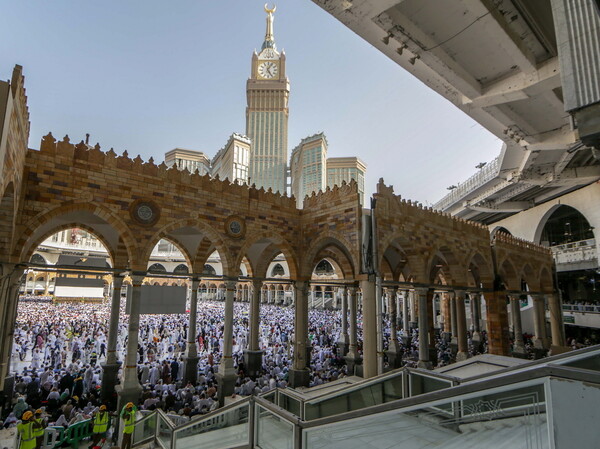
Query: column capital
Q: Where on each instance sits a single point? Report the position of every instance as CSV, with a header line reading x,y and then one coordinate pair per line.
x,y
257,283
137,278
460,294
230,284
118,280
301,285
195,282
421,290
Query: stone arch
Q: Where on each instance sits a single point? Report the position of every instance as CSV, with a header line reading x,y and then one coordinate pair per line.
x,y
248,266
277,270
334,247
546,281
181,269
91,230
195,239
527,274
508,275
261,250
402,256
549,213
444,260
157,268
7,218
95,218
182,249
208,270
479,271
38,258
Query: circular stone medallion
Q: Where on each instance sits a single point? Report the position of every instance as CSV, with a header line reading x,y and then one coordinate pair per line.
x,y
235,227
144,212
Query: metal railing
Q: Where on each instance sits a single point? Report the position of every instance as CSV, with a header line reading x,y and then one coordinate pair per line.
x,y
581,308
575,252
485,174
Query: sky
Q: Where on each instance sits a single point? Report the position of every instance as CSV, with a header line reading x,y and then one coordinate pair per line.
x,y
148,76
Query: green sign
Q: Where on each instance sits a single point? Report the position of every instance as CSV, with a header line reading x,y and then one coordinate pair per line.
x,y
569,319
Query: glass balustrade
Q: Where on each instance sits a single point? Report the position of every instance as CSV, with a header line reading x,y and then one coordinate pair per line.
x,y
272,430
227,428
145,429
501,418
164,430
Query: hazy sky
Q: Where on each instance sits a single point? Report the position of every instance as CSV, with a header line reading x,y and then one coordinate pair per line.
x,y
147,76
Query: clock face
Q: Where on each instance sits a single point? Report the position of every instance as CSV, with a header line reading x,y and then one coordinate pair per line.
x,y
267,69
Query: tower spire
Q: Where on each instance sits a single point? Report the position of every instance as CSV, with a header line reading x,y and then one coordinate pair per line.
x,y
269,39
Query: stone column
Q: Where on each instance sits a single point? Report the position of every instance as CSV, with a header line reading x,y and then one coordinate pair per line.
x,y
394,352
515,311
412,301
424,361
461,326
299,375
399,316
191,357
379,312
9,300
352,358
110,368
405,317
130,389
557,327
370,334
226,374
453,323
344,339
253,355
539,323
47,284
476,306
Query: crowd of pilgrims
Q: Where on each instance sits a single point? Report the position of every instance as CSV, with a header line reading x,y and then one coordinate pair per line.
x,y
58,349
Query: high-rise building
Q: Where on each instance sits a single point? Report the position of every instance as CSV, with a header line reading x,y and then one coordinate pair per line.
x,y
308,167
190,159
267,92
344,169
231,162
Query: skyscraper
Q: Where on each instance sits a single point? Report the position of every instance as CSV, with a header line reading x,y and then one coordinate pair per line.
x,y
231,162
341,169
308,167
267,92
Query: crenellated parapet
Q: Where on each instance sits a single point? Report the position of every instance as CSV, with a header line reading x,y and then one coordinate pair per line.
x,y
331,195
82,154
395,204
507,239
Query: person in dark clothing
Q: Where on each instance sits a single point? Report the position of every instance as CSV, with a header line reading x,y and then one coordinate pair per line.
x,y
78,387
174,369
66,381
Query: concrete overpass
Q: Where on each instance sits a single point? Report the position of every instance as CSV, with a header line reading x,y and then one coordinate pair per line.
x,y
526,70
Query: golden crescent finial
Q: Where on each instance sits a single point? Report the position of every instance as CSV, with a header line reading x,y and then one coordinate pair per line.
x,y
270,11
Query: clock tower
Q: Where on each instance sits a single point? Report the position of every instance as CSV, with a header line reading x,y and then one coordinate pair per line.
x,y
267,93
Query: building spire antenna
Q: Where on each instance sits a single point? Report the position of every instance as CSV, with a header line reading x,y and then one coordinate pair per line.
x,y
269,39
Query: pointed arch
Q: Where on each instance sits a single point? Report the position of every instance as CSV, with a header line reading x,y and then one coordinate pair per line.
x,y
330,246
262,248
91,216
198,239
